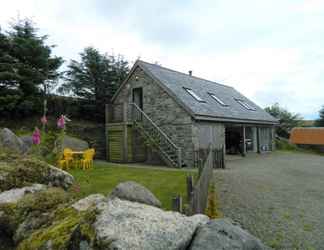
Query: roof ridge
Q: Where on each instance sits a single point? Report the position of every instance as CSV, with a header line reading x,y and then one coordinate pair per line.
x,y
175,71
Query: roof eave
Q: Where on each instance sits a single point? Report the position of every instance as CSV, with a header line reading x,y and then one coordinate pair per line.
x,y
233,120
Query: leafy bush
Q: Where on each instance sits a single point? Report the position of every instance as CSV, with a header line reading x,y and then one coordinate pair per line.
x,y
283,144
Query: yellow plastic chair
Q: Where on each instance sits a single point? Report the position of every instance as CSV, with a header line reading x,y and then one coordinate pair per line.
x,y
67,160
87,160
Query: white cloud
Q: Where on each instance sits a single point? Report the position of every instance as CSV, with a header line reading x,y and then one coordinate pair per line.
x,y
271,51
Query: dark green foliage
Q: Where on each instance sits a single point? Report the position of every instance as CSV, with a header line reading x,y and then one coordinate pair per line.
x,y
95,78
320,122
283,144
28,71
287,119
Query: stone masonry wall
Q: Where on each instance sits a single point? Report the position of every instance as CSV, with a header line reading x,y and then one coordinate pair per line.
x,y
163,110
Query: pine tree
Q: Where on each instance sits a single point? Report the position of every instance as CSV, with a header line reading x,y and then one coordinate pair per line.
x,y
27,68
95,78
320,122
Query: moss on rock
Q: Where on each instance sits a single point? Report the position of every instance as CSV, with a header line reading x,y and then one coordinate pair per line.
x,y
33,211
61,232
17,172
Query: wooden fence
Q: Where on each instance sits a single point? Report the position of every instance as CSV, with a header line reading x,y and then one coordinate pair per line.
x,y
197,193
218,157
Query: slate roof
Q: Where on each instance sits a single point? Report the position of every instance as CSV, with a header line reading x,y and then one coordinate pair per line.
x,y
174,83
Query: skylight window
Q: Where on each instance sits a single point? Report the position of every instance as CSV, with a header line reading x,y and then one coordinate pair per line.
x,y
245,104
217,99
194,95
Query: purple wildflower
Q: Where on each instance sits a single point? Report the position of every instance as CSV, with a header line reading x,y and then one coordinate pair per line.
x,y
36,137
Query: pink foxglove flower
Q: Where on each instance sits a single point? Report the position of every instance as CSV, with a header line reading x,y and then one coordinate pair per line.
x,y
44,120
36,137
61,122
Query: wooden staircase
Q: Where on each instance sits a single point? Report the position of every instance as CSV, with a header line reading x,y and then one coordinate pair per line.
x,y
156,138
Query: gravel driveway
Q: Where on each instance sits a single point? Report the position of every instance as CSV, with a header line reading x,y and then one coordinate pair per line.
x,y
278,197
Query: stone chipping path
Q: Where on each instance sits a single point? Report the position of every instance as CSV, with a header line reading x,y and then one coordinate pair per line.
x,y
278,197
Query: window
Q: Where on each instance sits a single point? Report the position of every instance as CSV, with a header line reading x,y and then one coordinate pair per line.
x,y
194,95
245,104
217,99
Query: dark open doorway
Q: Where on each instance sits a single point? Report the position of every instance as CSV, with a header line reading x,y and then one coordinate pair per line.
x,y
138,97
234,140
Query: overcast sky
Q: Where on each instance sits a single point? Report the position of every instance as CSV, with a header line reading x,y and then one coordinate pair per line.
x,y
271,51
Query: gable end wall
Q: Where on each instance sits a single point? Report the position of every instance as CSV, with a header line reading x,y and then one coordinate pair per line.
x,y
163,110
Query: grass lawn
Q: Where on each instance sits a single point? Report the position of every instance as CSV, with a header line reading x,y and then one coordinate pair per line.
x,y
164,184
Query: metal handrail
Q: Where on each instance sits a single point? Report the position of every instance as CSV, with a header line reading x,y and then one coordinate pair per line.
x,y
160,131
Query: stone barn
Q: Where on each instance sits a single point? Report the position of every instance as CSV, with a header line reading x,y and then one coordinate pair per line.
x,y
159,114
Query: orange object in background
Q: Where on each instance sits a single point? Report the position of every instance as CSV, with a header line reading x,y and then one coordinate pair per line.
x,y
307,136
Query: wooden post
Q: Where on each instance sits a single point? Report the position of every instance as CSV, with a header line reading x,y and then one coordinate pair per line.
x,y
107,113
200,167
125,111
179,158
125,139
189,188
244,140
224,155
177,203
258,140
106,131
273,141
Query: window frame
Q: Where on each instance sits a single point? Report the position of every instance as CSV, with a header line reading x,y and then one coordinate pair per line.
x,y
217,99
193,94
244,104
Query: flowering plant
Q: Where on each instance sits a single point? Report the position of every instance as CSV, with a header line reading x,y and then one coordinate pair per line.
x,y
44,120
61,122
36,137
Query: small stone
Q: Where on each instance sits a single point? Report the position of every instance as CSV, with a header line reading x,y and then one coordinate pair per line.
x,y
133,191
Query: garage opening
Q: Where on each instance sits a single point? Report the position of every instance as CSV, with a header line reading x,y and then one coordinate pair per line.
x,y
240,139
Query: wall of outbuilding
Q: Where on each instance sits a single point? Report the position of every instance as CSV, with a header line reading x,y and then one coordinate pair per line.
x,y
163,110
208,133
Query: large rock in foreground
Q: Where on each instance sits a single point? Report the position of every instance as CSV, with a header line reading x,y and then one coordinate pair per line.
x,y
10,141
133,191
221,234
131,225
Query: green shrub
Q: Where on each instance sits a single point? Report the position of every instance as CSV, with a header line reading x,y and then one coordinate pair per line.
x,y
282,144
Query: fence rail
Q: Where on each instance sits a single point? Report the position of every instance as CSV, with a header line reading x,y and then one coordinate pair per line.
x,y
218,157
199,196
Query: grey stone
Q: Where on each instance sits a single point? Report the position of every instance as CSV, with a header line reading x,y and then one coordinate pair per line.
x,y
27,140
74,143
133,191
89,201
222,234
10,141
59,178
14,195
123,224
